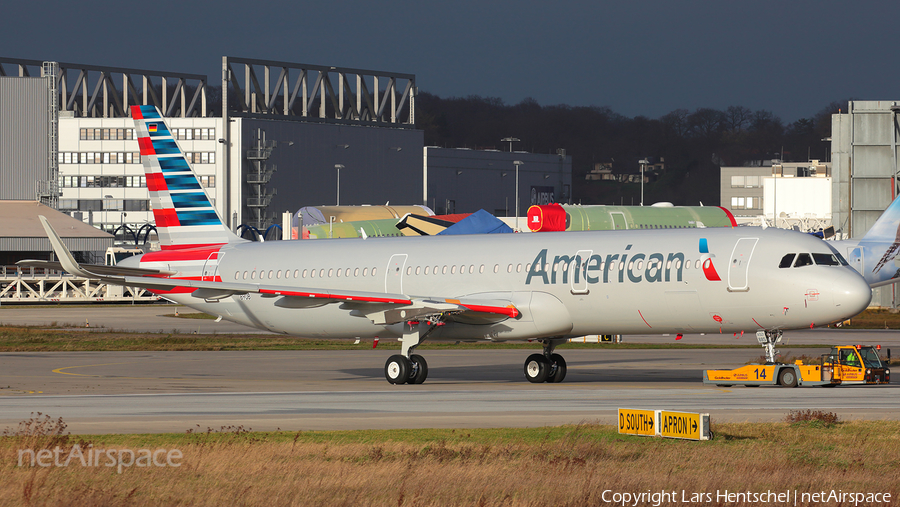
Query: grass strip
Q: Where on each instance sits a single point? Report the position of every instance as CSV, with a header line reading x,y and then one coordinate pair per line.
x,y
34,339
566,465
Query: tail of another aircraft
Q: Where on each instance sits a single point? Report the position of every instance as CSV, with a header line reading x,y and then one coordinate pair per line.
x,y
184,215
875,254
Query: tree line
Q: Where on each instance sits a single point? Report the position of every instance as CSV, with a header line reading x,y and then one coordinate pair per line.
x,y
693,144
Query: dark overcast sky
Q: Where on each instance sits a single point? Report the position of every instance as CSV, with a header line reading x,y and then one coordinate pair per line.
x,y
636,57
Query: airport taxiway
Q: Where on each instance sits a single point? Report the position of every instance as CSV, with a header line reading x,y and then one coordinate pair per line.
x,y
136,392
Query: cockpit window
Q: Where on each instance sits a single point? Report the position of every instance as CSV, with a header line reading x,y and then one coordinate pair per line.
x,y
823,259
838,255
787,260
803,259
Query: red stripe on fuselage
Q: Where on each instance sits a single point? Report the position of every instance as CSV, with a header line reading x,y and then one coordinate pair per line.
x,y
186,247
334,296
136,113
183,254
183,290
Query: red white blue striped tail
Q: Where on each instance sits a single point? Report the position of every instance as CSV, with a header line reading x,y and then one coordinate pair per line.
x,y
184,215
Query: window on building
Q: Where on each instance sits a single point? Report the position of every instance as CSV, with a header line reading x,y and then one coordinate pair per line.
x,y
137,205
737,181
90,205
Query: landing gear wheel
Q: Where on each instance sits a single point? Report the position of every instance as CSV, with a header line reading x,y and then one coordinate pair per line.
x,y
537,368
397,369
787,378
558,369
419,371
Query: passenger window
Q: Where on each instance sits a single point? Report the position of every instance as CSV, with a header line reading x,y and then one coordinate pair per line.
x,y
237,275
787,260
518,268
373,271
408,270
365,271
418,270
803,259
297,272
453,269
509,269
330,272
823,259
427,268
338,273
278,274
356,272
347,272
244,275
444,270
312,273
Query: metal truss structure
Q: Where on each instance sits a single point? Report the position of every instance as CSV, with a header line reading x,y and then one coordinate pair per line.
x,y
317,93
30,285
106,92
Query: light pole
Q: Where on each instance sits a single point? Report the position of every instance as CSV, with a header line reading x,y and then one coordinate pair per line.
x,y
510,140
517,163
338,167
643,163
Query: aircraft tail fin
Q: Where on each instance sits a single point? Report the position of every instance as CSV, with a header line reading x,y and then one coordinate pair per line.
x,y
881,245
887,228
184,215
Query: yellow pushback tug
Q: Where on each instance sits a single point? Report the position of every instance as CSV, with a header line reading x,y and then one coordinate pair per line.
x,y
845,364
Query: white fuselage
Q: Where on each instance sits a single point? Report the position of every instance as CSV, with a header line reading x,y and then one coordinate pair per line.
x,y
563,284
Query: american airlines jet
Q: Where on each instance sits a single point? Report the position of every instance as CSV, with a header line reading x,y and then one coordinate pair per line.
x,y
541,287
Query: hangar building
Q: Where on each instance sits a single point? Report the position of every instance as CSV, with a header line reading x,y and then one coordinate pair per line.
x,y
297,135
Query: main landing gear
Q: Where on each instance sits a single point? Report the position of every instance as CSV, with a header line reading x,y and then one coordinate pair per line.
x,y
546,367
406,367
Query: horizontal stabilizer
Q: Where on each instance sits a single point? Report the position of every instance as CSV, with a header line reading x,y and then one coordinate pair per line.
x,y
98,269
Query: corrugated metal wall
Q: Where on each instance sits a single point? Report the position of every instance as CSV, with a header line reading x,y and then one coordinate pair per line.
x,y
23,136
862,167
380,164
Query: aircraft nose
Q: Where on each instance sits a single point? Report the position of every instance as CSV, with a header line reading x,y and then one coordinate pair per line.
x,y
852,293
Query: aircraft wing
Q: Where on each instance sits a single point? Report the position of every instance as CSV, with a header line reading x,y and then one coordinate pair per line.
x,y
380,308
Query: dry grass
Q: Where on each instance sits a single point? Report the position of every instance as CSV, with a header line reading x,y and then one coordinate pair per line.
x,y
875,319
532,467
